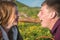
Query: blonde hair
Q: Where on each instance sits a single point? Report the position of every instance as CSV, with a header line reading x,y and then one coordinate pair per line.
x,y
5,12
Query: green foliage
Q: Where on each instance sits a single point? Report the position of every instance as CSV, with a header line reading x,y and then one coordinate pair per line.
x,y
19,4
30,31
32,12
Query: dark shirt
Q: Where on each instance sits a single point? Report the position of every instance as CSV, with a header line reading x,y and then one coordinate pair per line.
x,y
10,34
56,30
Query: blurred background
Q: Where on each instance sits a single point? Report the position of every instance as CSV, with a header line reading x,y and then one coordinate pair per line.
x,y
28,23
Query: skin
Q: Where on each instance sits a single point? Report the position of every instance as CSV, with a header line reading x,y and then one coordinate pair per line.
x,y
47,16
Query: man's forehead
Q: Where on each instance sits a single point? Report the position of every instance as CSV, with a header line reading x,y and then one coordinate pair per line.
x,y
44,7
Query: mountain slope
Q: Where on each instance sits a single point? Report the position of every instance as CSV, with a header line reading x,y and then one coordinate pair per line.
x,y
19,4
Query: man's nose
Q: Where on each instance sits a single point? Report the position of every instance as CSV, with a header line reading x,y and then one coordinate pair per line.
x,y
38,14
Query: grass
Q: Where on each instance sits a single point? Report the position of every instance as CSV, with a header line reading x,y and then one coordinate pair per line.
x,y
30,31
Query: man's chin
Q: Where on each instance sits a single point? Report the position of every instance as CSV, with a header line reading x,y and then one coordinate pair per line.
x,y
44,26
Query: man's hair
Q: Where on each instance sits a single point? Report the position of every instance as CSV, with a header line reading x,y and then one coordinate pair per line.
x,y
55,4
6,9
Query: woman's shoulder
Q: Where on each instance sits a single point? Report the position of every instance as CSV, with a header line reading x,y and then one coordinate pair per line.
x,y
0,35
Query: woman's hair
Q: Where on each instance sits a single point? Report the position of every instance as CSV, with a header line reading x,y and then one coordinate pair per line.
x,y
8,0
5,12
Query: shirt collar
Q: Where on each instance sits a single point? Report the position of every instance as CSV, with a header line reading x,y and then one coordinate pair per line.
x,y
56,25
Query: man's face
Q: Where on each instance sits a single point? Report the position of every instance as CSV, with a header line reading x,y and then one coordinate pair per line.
x,y
44,16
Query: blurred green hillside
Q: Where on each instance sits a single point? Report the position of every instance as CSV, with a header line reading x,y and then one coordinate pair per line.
x,y
30,11
30,31
19,4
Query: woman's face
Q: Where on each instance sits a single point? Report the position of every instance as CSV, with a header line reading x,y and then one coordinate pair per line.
x,y
12,19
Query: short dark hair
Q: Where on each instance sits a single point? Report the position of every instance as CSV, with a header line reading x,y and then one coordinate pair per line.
x,y
55,4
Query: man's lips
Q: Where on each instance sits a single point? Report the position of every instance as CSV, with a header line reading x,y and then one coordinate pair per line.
x,y
40,20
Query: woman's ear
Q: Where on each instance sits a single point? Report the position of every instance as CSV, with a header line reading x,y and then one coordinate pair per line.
x,y
52,14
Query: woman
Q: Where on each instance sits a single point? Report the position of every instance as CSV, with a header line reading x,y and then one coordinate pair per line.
x,y
8,21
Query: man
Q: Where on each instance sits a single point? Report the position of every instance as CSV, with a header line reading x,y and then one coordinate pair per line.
x,y
50,17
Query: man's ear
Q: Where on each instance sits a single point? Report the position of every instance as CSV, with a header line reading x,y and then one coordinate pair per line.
x,y
52,14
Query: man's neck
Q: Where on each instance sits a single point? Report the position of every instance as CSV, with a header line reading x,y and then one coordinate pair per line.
x,y
52,22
